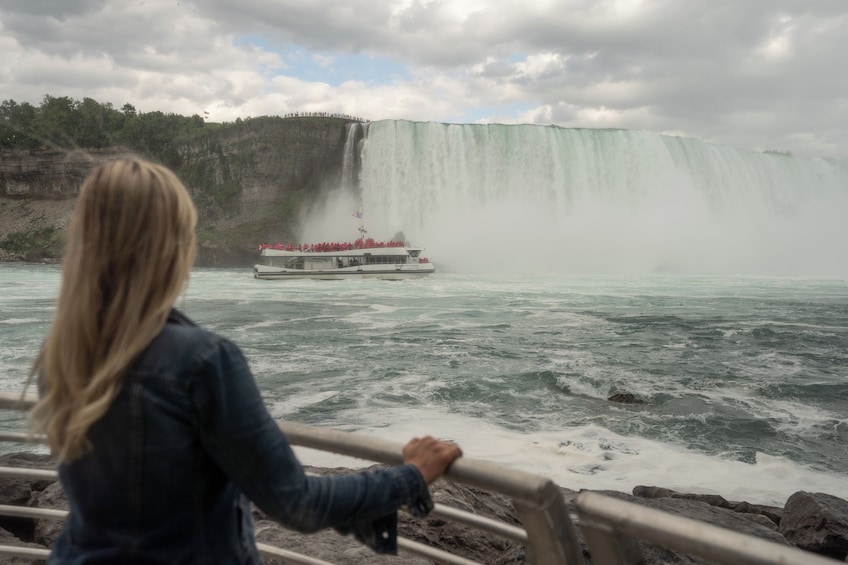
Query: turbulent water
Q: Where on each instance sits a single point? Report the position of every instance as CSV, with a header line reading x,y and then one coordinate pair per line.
x,y
743,379
710,282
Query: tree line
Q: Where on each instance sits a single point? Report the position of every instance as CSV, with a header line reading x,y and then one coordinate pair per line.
x,y
64,123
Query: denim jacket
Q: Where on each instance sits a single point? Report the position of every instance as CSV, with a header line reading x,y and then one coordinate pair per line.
x,y
184,445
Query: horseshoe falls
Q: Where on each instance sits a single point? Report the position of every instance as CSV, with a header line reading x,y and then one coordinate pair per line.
x,y
523,198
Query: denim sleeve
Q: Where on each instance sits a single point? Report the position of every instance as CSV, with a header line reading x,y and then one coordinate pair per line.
x,y
241,437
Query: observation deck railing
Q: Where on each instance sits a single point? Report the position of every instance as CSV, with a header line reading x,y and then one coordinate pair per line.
x,y
611,527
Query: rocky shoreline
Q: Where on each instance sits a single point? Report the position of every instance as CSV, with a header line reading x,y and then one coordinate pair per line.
x,y
815,522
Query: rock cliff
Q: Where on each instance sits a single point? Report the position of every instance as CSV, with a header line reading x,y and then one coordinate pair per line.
x,y
250,180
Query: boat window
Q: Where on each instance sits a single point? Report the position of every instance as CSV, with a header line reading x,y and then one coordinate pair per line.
x,y
294,263
385,259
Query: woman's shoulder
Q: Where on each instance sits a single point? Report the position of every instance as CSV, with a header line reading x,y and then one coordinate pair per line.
x,y
179,326
182,340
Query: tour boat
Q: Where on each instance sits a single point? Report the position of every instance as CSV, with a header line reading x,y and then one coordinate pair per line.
x,y
364,258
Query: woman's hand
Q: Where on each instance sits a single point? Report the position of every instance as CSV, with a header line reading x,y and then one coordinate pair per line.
x,y
431,456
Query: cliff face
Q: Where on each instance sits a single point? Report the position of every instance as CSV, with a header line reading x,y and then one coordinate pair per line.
x,y
48,174
249,180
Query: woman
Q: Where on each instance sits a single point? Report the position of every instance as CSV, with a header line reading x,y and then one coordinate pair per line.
x,y
159,429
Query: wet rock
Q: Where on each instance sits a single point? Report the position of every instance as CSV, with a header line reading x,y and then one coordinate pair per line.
x,y
696,510
817,522
625,398
770,513
659,492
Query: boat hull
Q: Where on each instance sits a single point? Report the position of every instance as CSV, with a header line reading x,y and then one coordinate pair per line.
x,y
383,272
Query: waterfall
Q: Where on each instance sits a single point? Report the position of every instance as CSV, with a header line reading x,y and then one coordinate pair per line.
x,y
545,198
353,147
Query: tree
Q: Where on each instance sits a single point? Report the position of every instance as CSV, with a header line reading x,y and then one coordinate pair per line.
x,y
91,124
57,121
16,125
67,123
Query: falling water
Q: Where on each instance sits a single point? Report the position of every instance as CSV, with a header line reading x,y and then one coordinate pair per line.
x,y
549,199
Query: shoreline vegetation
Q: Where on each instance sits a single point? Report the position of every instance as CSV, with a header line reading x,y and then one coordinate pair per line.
x,y
250,179
813,522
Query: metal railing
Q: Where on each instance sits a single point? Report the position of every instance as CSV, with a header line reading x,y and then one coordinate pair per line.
x,y
611,527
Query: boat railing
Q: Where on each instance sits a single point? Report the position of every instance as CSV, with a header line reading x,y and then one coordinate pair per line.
x,y
611,527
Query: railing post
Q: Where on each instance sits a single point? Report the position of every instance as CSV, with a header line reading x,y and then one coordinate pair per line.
x,y
608,547
552,537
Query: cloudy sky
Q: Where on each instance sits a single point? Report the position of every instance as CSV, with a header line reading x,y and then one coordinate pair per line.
x,y
759,74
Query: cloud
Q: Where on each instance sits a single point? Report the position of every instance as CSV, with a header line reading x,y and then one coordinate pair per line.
x,y
759,74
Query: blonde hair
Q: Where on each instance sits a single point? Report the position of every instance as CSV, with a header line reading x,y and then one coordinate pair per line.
x,y
130,248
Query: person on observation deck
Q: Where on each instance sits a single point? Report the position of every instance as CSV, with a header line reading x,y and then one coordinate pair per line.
x,y
159,429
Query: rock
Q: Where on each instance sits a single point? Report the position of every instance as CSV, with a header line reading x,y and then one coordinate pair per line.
x,y
659,492
752,511
17,492
27,459
697,510
625,398
653,492
759,519
53,497
772,513
6,538
327,545
461,540
817,522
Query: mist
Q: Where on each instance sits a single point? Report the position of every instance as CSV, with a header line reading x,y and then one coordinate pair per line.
x,y
332,218
534,199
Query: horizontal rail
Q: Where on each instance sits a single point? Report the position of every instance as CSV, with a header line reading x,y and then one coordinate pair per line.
x,y
524,487
289,556
437,555
20,437
551,537
26,552
615,517
480,522
17,401
30,512
28,473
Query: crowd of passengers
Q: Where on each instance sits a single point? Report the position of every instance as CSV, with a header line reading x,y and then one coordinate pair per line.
x,y
335,246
